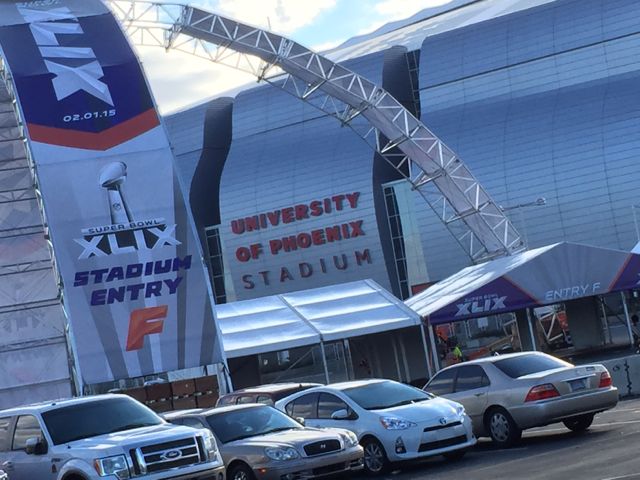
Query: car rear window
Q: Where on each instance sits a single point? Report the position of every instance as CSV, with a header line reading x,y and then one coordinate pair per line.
x,y
519,366
226,400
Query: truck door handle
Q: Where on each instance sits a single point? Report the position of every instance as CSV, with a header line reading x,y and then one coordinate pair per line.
x,y
7,466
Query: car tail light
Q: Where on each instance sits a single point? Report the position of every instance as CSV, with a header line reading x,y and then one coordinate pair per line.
x,y
542,392
605,380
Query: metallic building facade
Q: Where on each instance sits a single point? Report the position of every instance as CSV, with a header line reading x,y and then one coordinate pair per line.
x,y
538,97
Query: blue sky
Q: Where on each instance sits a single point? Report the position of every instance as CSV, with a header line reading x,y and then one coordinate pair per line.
x,y
178,80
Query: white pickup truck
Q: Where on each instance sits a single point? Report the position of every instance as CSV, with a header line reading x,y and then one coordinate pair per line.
x,y
110,437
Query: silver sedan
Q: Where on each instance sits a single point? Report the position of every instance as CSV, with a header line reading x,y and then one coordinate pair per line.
x,y
260,442
506,394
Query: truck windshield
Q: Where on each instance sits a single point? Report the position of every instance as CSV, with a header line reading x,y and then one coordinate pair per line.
x,y
98,417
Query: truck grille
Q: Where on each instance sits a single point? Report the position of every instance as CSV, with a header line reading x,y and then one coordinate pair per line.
x,y
165,456
320,448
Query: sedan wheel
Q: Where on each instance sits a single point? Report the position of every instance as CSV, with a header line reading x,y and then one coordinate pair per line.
x,y
503,430
375,458
240,472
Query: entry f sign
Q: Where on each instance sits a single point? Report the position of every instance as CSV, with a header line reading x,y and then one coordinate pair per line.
x,y
143,322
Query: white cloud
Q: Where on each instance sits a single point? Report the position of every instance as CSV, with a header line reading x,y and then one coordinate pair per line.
x,y
323,47
398,9
178,79
285,16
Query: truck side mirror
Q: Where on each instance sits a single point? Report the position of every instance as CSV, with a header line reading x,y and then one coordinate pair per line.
x,y
35,446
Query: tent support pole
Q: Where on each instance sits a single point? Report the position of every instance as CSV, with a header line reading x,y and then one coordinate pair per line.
x,y
324,362
434,348
349,359
626,316
530,323
395,356
426,350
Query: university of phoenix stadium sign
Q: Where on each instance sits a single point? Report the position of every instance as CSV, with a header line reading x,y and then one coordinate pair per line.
x,y
281,246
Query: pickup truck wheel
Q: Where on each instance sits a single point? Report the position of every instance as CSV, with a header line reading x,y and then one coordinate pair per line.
x,y
503,430
579,424
240,471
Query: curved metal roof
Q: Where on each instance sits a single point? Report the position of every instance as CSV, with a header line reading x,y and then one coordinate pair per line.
x,y
459,14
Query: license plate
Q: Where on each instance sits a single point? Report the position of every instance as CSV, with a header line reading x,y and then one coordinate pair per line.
x,y
577,385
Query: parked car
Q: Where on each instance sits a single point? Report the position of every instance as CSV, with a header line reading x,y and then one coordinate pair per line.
x,y
393,421
110,436
3,475
506,394
266,394
258,441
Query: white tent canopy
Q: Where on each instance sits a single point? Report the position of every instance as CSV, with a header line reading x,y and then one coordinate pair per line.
x,y
262,325
309,317
544,276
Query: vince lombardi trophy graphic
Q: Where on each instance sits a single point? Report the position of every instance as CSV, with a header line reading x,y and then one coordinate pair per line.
x,y
112,176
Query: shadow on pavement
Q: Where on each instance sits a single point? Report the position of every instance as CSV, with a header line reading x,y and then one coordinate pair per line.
x,y
549,440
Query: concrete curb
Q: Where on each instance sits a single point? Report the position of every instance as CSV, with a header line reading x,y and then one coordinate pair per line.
x,y
625,373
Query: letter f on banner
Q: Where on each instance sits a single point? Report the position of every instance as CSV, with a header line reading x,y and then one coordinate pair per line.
x,y
143,322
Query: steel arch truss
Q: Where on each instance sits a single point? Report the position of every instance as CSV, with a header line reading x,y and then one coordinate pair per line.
x,y
433,169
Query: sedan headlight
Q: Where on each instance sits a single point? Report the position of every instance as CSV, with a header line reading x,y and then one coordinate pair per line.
x,y
210,445
112,466
350,438
395,423
460,411
281,453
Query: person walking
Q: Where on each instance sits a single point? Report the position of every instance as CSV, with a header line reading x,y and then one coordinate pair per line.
x,y
457,354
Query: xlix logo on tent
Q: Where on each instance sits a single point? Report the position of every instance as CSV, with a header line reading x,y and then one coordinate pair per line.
x,y
85,75
481,305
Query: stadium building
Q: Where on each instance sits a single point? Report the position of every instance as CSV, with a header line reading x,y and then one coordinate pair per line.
x,y
538,97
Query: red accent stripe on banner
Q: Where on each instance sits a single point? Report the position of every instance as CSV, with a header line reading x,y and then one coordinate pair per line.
x,y
620,272
95,141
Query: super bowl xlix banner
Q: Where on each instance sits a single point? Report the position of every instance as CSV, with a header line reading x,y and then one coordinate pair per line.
x,y
122,237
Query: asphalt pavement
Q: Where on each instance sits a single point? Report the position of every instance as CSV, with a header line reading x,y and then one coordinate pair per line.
x,y
609,450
